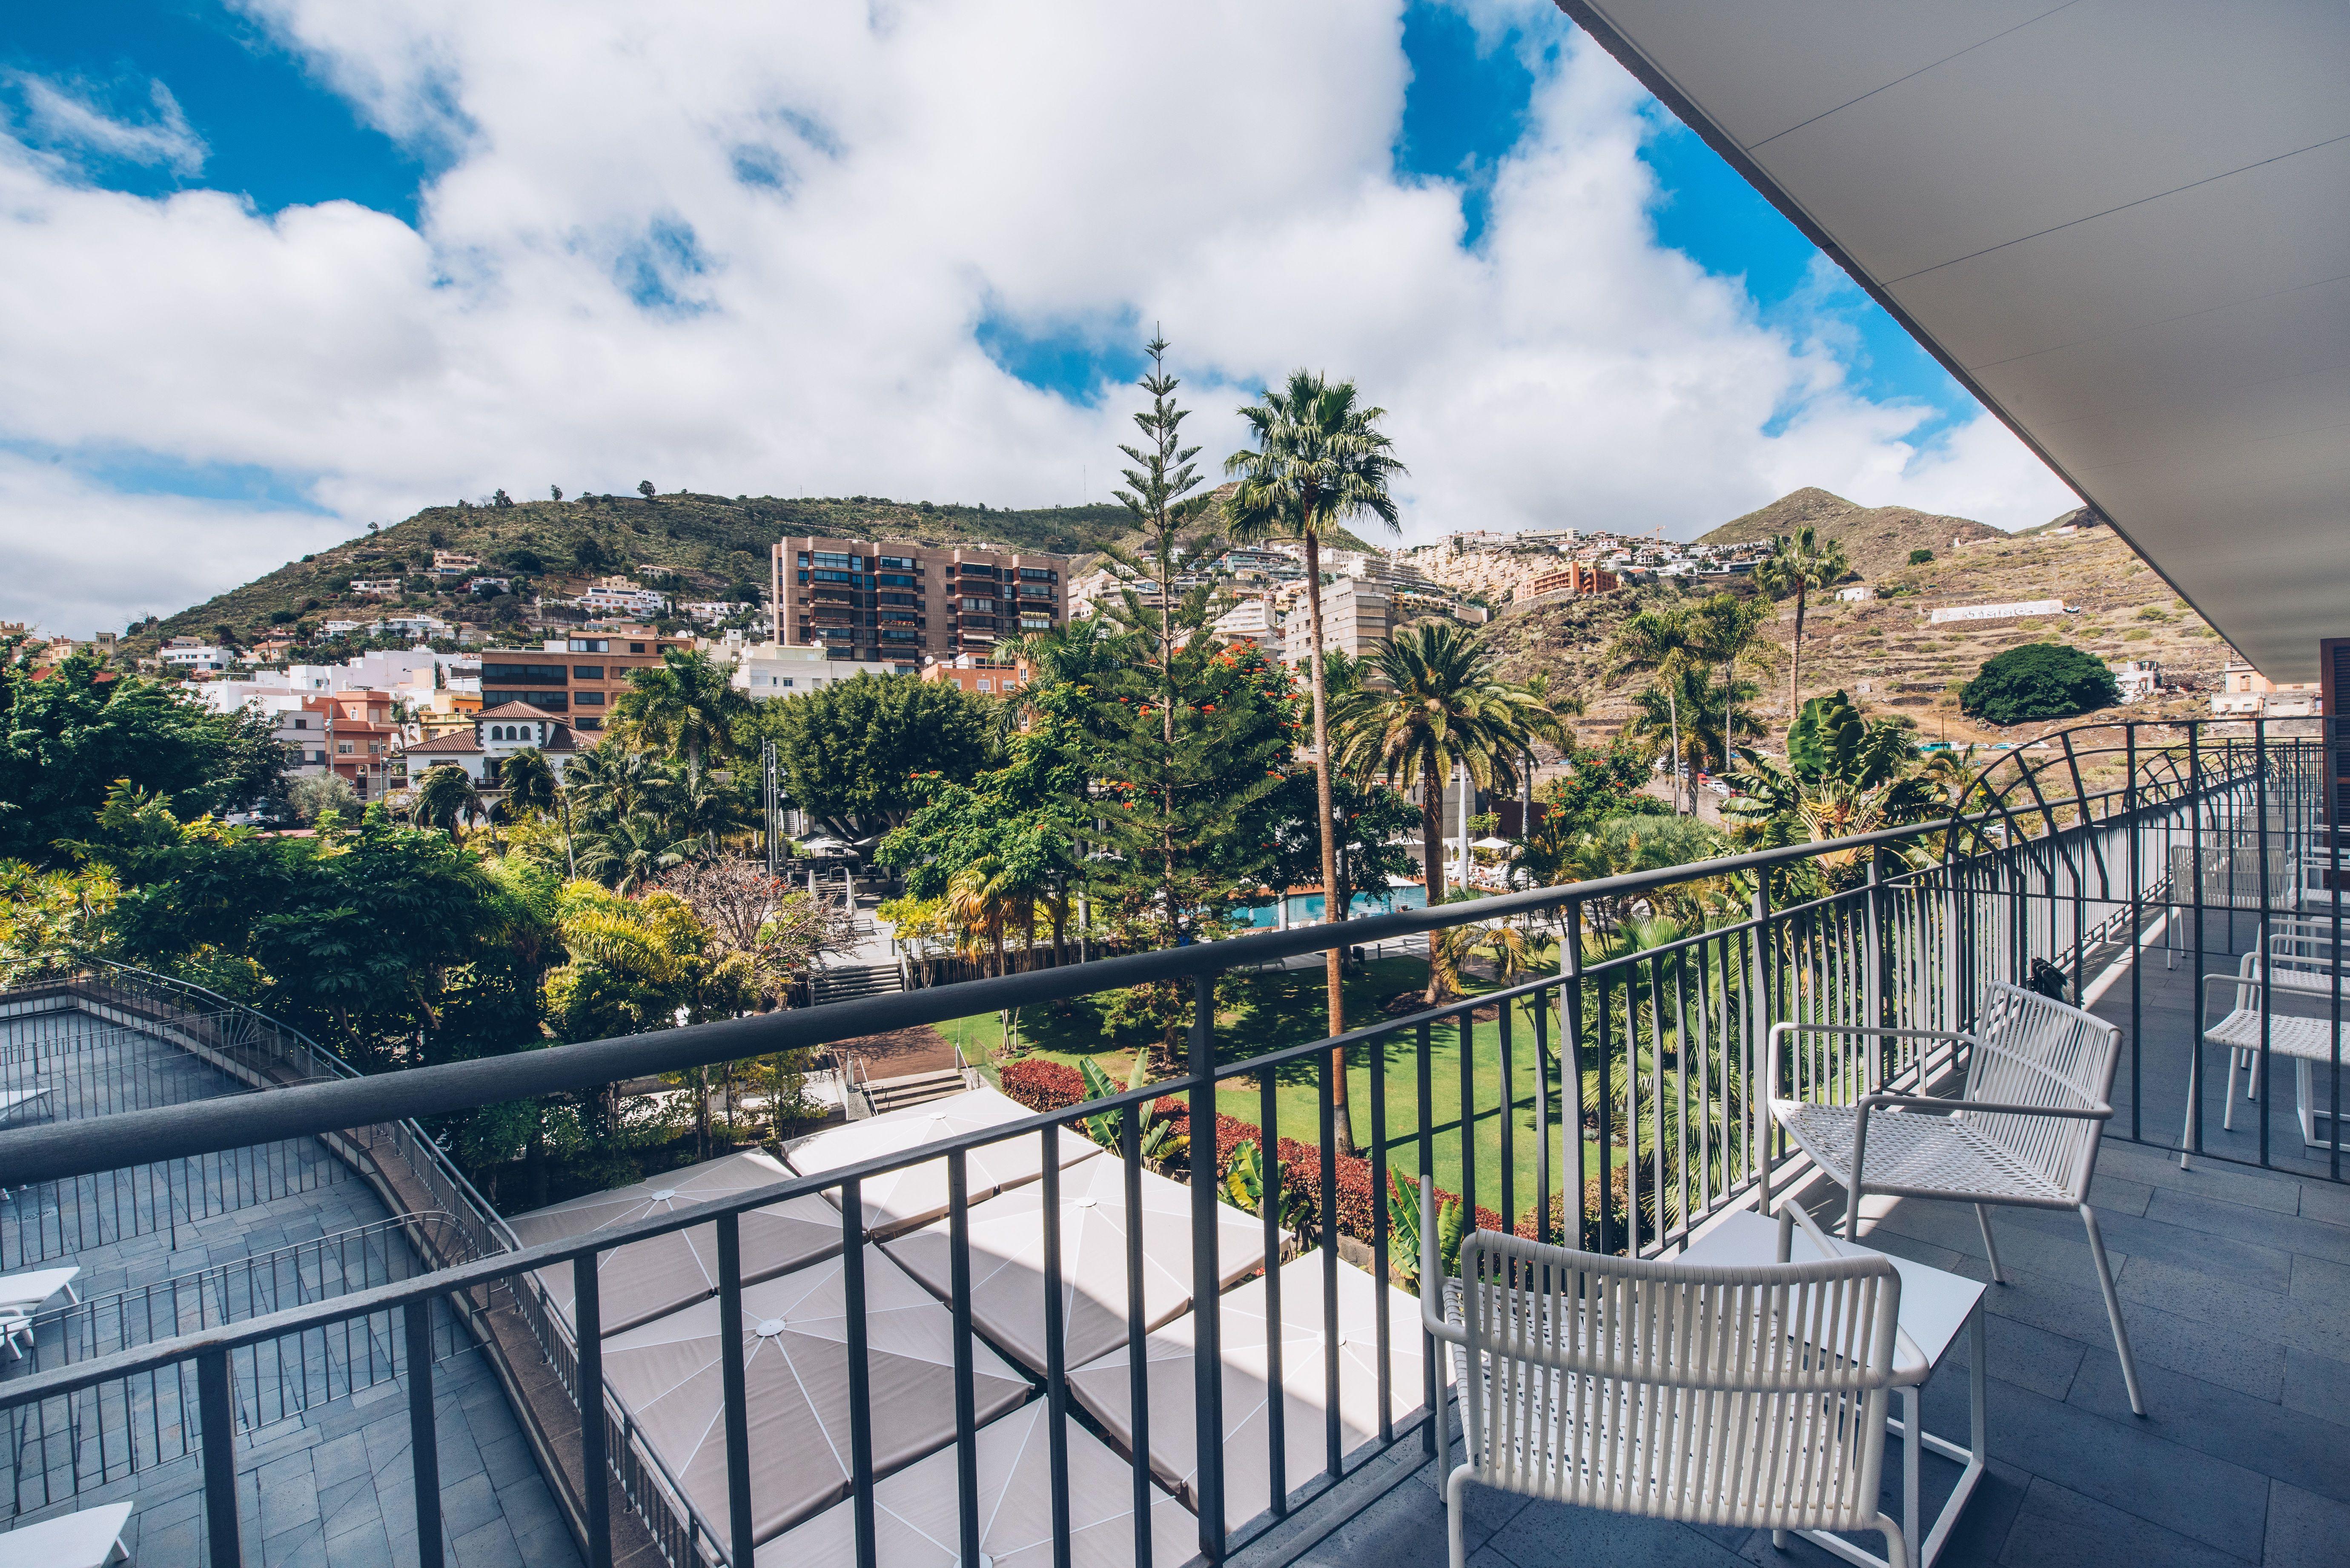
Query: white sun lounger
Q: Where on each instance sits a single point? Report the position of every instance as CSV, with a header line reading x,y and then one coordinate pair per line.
x,y
90,1539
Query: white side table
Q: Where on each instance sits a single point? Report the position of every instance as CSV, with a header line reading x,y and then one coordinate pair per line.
x,y
1935,1306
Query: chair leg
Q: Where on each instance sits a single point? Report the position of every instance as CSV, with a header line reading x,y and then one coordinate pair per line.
x,y
1456,1534
1852,1212
1897,1545
2114,1309
1991,1248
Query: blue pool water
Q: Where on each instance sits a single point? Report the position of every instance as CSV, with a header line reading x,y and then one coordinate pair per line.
x,y
1305,908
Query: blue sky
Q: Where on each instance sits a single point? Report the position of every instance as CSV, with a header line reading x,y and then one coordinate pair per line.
x,y
772,248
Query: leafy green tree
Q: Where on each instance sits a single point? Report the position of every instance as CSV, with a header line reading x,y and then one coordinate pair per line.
x,y
2038,681
1320,461
645,489
69,735
851,750
1843,776
1800,567
314,794
688,705
630,852
528,780
1920,558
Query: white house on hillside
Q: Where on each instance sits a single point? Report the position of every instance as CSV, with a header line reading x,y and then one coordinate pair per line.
x,y
497,734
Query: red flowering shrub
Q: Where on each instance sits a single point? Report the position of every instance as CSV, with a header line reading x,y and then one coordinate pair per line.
x,y
1301,1171
1043,1086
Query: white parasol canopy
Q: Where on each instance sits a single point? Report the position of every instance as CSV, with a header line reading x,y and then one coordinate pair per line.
x,y
1490,842
916,1195
917,1513
1102,1385
795,1369
1007,1259
639,1282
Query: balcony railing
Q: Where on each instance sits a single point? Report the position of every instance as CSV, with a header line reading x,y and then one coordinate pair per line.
x,y
2061,860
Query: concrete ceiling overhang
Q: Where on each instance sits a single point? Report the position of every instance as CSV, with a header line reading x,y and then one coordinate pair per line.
x,y
2124,224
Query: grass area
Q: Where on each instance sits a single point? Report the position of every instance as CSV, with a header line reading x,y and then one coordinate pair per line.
x,y
1269,1012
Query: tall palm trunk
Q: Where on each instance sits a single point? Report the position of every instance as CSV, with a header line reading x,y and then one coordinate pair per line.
x,y
1431,847
1673,716
1795,662
1333,964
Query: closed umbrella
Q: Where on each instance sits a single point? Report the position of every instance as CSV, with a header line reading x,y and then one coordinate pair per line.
x,y
1101,1385
1007,1259
639,1282
795,1333
915,1195
917,1513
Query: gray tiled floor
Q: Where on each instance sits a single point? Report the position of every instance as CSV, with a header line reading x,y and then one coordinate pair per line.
x,y
332,1485
2238,1300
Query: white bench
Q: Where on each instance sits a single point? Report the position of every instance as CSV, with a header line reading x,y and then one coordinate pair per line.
x,y
90,1539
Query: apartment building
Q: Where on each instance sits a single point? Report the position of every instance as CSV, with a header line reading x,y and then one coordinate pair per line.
x,y
578,676
985,677
778,669
1574,578
1356,617
900,602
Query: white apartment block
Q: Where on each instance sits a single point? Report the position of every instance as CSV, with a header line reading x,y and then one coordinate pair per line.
x,y
1356,618
764,670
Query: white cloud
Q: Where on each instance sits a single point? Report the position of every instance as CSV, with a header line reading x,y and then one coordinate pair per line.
x,y
56,116
815,206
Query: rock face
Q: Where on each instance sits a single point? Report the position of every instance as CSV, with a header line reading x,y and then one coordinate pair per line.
x,y
1876,539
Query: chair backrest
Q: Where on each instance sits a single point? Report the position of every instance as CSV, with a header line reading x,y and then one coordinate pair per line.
x,y
1741,1397
2233,875
2030,1050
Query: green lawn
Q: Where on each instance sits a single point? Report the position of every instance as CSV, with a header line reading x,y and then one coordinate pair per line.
x,y
1273,1011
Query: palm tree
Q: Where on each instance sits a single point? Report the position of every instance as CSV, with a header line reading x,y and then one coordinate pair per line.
x,y
1442,705
688,706
631,852
1663,643
1697,718
529,781
1319,461
1799,565
1729,631
609,782
445,796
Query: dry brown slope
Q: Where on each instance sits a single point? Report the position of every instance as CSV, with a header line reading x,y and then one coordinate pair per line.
x,y
1876,539
1888,654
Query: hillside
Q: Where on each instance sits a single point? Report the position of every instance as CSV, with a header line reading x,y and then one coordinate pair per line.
x,y
697,547
1884,651
710,544
1878,540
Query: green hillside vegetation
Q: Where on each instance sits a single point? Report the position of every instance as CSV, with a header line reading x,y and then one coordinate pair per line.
x,y
696,546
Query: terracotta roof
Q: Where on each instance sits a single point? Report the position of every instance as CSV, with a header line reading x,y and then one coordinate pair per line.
x,y
455,740
513,710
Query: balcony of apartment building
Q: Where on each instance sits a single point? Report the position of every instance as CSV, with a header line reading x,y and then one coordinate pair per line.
x,y
869,1346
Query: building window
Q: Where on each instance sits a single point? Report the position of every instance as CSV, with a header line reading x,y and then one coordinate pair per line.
x,y
984,685
588,699
636,648
835,559
902,562
342,748
524,674
786,680
587,723
548,701
591,645
1038,575
983,606
587,673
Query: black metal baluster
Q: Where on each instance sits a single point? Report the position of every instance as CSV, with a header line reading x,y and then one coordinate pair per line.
x,y
741,1537
1207,1345
1057,1384
595,1471
1380,1270
218,1417
2267,965
1269,1199
1138,1359
1606,1099
1330,1437
423,1440
1465,1035
1540,1015
965,1397
1509,1117
1431,1373
2136,929
860,1369
1570,1067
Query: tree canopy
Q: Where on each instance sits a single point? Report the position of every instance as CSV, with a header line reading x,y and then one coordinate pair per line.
x,y
68,734
851,750
2038,681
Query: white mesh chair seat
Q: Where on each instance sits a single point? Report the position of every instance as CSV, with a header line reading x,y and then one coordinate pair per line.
x,y
2309,1039
2024,1130
1740,1396
1928,1155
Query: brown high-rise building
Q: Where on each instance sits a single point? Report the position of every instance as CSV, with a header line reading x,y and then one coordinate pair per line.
x,y
901,601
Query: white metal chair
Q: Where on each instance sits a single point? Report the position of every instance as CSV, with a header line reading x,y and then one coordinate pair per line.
x,y
2299,969
2024,1131
1749,1397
